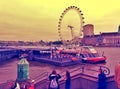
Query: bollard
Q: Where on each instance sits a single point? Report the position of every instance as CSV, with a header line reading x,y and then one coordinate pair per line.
x,y
23,70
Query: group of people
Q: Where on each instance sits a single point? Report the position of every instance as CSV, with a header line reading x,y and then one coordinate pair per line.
x,y
14,85
22,85
54,77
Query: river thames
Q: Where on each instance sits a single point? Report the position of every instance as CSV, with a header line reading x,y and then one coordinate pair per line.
x,y
8,70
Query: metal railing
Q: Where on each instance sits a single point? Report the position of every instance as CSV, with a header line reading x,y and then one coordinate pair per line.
x,y
77,70
41,77
73,71
95,68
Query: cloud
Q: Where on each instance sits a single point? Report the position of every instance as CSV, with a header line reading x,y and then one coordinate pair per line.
x,y
36,19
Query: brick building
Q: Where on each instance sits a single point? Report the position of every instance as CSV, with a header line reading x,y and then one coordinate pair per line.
x,y
102,39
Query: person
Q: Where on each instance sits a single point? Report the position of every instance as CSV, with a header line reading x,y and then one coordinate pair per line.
x,y
18,86
23,85
101,79
54,77
117,75
67,80
12,85
15,85
32,85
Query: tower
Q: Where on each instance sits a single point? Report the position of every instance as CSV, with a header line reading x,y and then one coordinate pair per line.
x,y
88,30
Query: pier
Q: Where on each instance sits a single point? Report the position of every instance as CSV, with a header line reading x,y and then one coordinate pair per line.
x,y
7,54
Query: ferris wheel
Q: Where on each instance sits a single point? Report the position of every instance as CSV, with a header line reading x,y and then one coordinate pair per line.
x,y
69,30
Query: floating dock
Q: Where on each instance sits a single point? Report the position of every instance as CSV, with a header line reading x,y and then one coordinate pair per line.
x,y
58,62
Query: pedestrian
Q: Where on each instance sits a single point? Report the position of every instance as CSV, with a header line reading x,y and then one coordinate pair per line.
x,y
67,80
101,79
15,85
32,85
117,75
18,86
54,77
12,85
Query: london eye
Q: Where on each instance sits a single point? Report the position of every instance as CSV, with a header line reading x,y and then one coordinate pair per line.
x,y
70,24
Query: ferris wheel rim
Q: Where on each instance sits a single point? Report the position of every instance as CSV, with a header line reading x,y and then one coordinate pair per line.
x,y
64,13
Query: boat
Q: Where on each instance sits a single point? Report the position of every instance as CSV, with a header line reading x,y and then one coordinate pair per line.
x,y
85,54
89,54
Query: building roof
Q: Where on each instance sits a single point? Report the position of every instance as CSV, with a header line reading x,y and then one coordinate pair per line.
x,y
97,35
109,33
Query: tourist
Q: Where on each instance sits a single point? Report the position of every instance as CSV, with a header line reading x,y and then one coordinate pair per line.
x,y
54,77
15,85
32,85
67,80
12,85
101,79
18,86
117,75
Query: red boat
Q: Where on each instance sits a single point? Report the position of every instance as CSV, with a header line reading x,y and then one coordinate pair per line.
x,y
84,53
89,54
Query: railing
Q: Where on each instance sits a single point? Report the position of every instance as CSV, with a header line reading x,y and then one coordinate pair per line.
x,y
73,71
41,77
105,69
77,70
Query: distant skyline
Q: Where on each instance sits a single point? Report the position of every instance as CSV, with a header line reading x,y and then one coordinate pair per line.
x,y
33,20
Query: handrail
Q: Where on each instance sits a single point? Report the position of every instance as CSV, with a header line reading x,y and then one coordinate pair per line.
x,y
85,66
105,69
42,76
81,69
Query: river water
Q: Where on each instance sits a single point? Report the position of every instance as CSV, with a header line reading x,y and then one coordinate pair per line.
x,y
8,70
